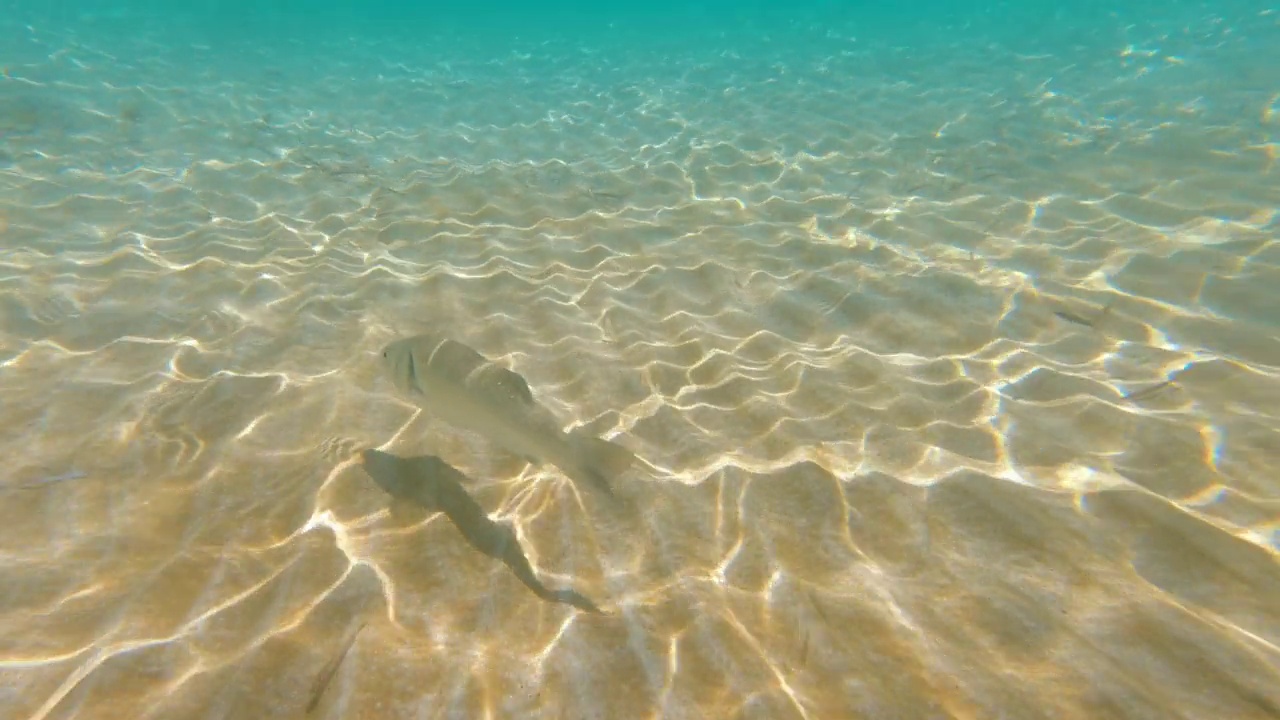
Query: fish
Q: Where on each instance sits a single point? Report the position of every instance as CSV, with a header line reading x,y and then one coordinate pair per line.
x,y
1078,320
1073,318
462,387
1148,392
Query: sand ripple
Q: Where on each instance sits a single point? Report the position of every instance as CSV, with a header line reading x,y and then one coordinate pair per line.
x,y
957,389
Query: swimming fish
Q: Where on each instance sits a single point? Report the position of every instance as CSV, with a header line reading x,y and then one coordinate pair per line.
x,y
459,385
1073,318
1148,392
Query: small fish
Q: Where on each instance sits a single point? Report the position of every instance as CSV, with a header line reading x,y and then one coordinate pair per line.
x,y
1148,392
459,385
1073,318
1079,320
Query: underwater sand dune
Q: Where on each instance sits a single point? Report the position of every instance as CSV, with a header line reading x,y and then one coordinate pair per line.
x,y
954,391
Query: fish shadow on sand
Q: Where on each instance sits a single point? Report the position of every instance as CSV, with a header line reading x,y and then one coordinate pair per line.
x,y
432,484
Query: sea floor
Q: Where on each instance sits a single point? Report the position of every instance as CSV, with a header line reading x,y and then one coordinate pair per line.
x,y
953,372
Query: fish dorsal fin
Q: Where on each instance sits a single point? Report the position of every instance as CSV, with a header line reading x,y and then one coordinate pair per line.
x,y
453,361
502,384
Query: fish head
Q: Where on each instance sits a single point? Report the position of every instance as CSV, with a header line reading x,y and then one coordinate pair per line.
x,y
399,362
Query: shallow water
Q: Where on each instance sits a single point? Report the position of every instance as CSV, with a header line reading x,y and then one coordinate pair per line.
x,y
954,369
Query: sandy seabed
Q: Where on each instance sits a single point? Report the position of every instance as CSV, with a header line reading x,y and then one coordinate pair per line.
x,y
956,389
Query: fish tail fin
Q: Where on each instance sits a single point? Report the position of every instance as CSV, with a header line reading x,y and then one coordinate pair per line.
x,y
598,461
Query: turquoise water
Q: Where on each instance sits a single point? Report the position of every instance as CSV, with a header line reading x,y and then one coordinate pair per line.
x,y
946,338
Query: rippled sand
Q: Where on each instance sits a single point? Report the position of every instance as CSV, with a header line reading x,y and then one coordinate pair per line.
x,y
955,376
